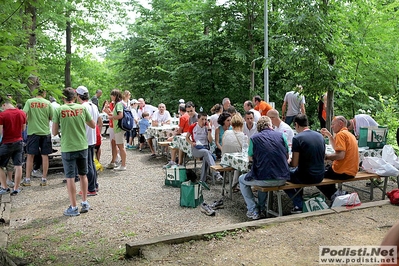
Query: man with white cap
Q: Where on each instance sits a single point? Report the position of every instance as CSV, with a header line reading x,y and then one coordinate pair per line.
x,y
83,99
181,102
132,134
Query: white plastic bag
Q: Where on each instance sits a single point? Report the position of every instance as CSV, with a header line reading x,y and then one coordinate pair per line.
x,y
346,200
388,154
379,166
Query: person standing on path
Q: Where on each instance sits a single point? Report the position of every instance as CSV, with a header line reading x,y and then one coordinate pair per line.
x,y
117,113
39,112
72,118
83,98
12,123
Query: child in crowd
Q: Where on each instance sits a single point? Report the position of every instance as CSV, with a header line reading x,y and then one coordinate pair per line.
x,y
144,123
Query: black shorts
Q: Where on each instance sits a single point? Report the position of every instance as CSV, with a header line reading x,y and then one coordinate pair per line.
x,y
13,151
39,145
142,138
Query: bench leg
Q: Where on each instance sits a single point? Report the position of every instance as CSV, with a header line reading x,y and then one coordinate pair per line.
x,y
230,184
269,204
384,192
371,189
279,203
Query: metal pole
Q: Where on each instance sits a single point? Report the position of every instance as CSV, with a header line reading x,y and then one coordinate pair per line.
x,y
266,70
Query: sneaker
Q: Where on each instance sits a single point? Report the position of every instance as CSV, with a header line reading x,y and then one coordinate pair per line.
x,y
85,207
217,205
43,183
36,173
296,210
140,150
91,193
71,211
169,165
110,166
120,168
153,155
10,183
25,183
118,159
253,215
4,191
16,191
218,177
207,210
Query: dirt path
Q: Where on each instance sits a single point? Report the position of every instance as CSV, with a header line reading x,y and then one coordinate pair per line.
x,y
291,243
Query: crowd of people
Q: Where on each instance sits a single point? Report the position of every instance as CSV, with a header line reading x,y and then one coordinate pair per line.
x,y
267,133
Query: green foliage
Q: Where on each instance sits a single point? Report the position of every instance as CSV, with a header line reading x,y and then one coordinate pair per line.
x,y
389,109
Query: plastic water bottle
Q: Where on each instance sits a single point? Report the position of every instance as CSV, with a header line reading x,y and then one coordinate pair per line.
x,y
245,146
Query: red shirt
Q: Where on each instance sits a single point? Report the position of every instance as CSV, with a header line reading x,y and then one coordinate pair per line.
x,y
98,136
12,121
111,108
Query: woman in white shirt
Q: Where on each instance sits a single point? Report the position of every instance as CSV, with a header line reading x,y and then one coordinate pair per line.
x,y
233,140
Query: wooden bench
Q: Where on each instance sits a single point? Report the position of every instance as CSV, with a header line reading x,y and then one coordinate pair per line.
x,y
229,170
326,181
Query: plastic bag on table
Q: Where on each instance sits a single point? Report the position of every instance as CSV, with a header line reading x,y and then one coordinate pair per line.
x,y
389,155
379,166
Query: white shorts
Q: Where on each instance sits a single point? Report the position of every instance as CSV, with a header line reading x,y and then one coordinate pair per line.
x,y
119,137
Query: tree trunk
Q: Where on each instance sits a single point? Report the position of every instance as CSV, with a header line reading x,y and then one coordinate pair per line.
x,y
330,108
68,82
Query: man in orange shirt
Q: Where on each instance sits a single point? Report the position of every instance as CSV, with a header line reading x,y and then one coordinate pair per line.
x,y
261,106
184,125
346,157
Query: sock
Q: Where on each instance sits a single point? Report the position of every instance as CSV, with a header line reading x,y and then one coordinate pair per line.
x,y
84,202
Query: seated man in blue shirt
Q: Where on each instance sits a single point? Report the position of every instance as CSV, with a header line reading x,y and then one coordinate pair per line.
x,y
308,150
268,150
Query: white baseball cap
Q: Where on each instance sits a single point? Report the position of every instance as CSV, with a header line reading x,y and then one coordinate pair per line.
x,y
181,101
81,90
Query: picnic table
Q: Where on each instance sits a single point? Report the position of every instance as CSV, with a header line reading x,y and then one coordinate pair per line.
x,y
237,161
161,133
180,142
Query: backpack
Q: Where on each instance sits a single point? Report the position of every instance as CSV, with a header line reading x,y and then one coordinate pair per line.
x,y
127,121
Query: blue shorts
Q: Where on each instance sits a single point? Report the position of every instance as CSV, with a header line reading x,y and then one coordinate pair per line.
x,y
13,151
73,159
37,145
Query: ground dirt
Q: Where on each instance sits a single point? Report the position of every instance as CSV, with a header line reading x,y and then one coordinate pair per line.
x,y
135,205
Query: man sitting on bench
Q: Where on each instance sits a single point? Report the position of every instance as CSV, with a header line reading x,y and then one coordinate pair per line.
x,y
308,151
346,156
269,151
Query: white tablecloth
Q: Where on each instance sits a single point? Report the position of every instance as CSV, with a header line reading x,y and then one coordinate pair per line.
x,y
237,161
163,132
179,142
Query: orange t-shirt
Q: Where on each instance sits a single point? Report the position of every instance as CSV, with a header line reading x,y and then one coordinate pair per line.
x,y
263,107
346,141
184,122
